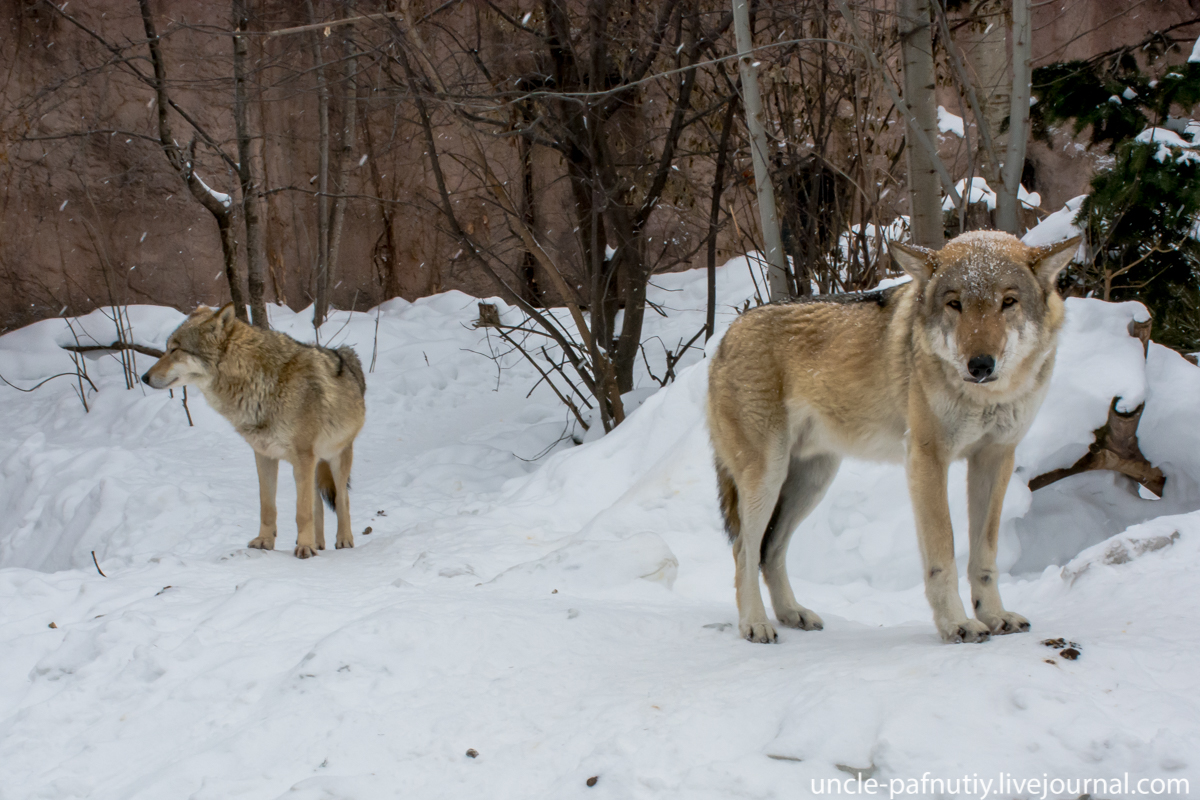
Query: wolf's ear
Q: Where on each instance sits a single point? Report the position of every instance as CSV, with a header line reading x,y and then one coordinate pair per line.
x,y
916,261
1050,260
225,317
201,311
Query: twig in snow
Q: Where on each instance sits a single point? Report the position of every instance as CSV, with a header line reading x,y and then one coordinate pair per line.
x,y
47,380
375,345
97,563
566,434
185,408
80,371
489,317
673,358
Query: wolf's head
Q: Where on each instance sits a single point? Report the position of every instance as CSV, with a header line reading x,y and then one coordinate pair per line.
x,y
988,302
192,350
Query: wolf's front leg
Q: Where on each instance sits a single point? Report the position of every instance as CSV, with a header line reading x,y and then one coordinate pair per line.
x,y
927,486
304,468
268,474
988,471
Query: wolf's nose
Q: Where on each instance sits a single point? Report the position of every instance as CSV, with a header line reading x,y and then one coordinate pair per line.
x,y
146,378
981,367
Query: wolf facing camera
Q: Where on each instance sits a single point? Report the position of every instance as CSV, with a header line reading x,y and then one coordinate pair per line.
x,y
952,365
291,401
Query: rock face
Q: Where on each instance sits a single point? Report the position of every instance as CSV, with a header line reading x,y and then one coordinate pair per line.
x,y
91,213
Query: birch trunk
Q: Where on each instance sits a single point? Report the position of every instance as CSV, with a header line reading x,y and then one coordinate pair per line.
x,y
1008,206
752,102
925,199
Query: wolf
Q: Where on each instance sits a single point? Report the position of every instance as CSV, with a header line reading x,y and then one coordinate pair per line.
x,y
296,402
951,365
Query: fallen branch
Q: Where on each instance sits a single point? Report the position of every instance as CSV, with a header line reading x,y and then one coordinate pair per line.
x,y
1115,449
1116,445
96,348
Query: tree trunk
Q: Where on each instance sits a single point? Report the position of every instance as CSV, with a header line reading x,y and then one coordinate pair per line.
x,y
250,184
752,102
321,301
714,215
349,129
1008,206
529,279
387,253
925,199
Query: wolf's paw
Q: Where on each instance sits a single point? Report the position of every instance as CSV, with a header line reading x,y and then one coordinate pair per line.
x,y
763,632
800,617
969,630
1005,622
344,543
304,551
262,543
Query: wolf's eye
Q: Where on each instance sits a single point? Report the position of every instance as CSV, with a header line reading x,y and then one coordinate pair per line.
x,y
957,306
1009,302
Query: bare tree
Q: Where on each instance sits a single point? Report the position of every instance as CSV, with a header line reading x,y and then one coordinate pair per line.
x,y
587,98
247,173
777,274
836,146
184,163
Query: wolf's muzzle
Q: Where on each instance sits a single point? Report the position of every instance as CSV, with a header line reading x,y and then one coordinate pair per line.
x,y
146,378
981,368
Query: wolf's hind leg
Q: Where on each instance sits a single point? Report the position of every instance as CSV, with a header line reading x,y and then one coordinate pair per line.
x,y
304,469
805,485
268,476
757,495
318,511
340,466
988,471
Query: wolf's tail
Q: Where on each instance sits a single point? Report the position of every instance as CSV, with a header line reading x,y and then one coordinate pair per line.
x,y
348,361
325,484
728,497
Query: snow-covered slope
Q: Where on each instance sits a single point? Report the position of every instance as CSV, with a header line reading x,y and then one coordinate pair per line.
x,y
567,616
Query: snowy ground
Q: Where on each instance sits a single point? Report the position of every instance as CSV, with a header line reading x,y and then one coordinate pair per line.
x,y
567,616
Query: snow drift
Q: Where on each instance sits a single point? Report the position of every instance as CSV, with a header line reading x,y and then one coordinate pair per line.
x,y
565,615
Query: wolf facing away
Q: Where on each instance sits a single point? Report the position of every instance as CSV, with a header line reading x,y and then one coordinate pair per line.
x,y
952,365
291,401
